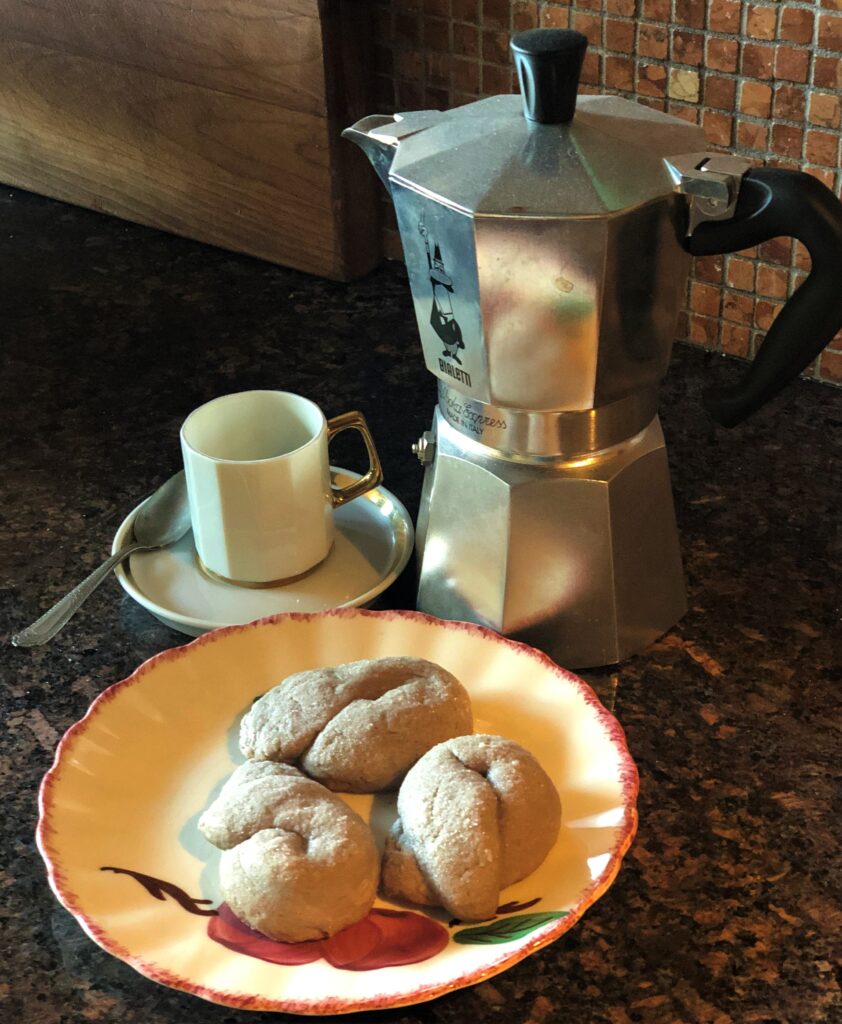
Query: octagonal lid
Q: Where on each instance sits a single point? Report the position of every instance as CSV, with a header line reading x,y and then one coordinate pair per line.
x,y
487,158
535,157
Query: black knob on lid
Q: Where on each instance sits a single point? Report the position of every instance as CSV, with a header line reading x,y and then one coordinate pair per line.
x,y
549,62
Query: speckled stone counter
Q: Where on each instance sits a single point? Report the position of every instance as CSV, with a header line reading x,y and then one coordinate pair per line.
x,y
729,904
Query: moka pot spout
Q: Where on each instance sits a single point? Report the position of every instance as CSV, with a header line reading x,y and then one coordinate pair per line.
x,y
379,135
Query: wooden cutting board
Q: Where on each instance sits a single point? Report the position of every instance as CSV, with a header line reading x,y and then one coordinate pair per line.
x,y
214,119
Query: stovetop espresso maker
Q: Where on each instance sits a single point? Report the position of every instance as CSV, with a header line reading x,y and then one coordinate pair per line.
x,y
547,255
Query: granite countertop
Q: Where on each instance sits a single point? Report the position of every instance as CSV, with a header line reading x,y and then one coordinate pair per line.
x,y
727,907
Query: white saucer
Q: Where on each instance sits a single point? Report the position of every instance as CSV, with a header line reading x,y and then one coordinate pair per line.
x,y
374,539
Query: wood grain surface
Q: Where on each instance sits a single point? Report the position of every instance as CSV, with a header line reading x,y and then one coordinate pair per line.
x,y
215,119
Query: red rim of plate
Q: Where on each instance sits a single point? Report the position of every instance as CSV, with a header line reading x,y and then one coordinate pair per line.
x,y
243,1001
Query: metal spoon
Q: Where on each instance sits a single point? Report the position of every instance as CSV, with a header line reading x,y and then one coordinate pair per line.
x,y
161,520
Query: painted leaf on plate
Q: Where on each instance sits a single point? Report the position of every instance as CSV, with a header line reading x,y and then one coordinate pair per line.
x,y
160,889
506,929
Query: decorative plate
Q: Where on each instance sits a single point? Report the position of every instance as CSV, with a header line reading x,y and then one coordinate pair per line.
x,y
373,543
119,809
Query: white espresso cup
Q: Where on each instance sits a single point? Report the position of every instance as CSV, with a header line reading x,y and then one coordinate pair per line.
x,y
258,481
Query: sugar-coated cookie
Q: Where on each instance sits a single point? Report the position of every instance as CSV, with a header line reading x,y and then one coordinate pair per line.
x,y
297,862
358,727
475,814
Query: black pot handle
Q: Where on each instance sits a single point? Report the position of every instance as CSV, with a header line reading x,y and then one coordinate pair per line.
x,y
775,202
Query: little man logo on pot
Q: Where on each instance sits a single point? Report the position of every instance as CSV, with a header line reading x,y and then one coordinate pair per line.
x,y
442,318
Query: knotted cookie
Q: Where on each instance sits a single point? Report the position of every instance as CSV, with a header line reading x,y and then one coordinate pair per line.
x,y
297,862
476,814
358,727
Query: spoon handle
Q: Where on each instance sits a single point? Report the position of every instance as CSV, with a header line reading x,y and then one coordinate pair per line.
x,y
62,611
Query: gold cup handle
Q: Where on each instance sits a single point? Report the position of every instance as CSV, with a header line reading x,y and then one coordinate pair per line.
x,y
374,477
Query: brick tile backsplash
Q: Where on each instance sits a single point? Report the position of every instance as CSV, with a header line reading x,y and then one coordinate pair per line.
x,y
763,79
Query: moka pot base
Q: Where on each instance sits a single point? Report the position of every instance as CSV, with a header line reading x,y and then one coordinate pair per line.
x,y
576,556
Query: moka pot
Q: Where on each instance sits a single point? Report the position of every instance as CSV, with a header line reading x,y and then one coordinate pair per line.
x,y
547,244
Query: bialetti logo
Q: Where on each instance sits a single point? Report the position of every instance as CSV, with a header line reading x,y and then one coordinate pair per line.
x,y
453,371
442,318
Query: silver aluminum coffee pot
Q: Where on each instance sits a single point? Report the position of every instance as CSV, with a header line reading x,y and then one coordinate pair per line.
x,y
547,256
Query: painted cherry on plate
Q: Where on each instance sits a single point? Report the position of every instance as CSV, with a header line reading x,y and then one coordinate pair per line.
x,y
383,938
